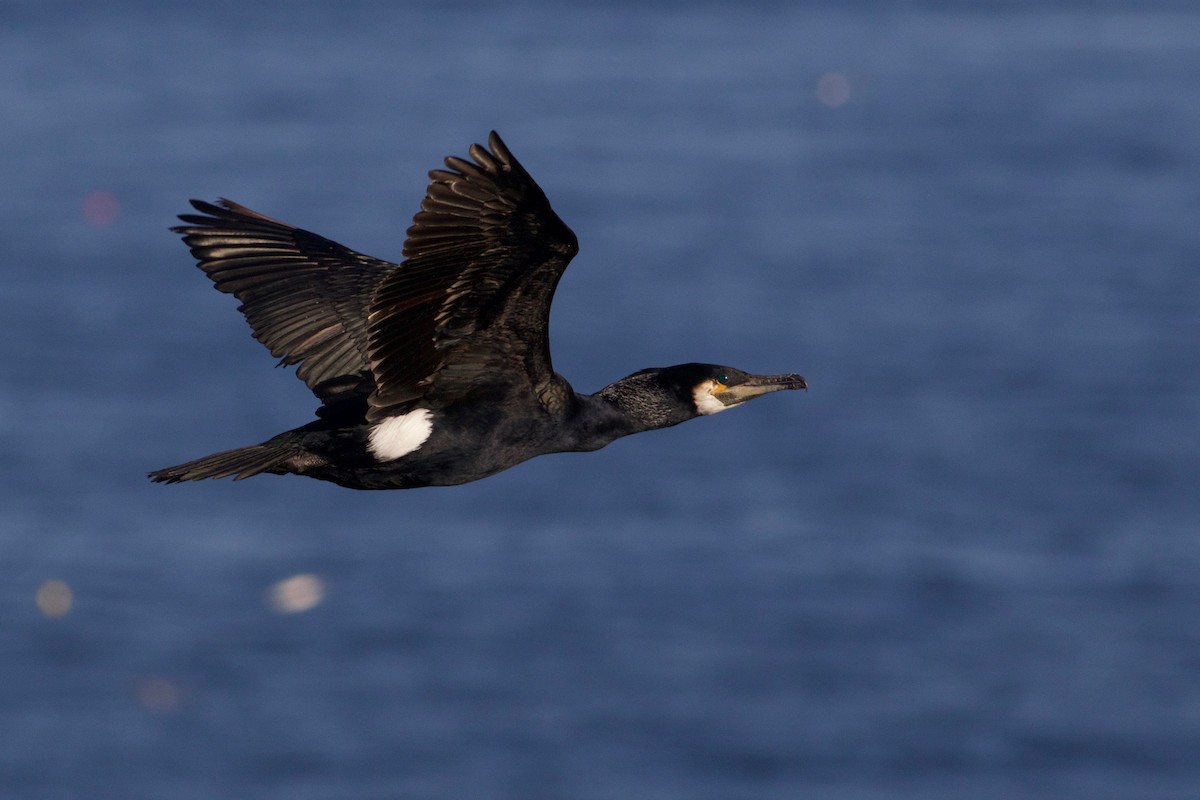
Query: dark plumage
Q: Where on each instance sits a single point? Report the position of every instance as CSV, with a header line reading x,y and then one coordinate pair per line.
x,y
435,371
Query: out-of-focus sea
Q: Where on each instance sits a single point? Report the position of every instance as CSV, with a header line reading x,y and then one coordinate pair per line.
x,y
966,564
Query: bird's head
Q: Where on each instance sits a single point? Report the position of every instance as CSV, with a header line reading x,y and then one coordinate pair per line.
x,y
714,388
664,396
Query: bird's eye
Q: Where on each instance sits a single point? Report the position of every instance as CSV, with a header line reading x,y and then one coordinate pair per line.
x,y
722,377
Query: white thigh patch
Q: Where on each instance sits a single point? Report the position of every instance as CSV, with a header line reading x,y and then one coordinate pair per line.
x,y
399,436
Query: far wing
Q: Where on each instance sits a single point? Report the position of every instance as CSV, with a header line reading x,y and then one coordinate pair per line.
x,y
304,296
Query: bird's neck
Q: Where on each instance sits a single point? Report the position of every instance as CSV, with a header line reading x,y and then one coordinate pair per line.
x,y
597,422
639,403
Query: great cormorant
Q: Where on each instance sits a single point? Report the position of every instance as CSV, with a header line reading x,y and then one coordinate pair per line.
x,y
435,371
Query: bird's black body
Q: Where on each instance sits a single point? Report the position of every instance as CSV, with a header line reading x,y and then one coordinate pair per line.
x,y
435,371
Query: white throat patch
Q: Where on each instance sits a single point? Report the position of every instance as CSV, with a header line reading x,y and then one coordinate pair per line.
x,y
398,436
705,402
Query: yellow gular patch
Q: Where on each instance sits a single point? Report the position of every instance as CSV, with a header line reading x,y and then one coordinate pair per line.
x,y
705,402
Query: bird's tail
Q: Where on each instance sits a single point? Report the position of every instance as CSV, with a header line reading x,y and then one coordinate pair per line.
x,y
271,456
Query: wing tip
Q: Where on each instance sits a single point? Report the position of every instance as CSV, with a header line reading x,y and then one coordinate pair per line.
x,y
223,210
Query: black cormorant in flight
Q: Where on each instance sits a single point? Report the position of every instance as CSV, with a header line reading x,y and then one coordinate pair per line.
x,y
435,371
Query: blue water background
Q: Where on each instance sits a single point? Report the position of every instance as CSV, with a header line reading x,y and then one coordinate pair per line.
x,y
966,564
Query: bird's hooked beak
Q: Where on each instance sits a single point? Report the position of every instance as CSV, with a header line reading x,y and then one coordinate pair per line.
x,y
756,386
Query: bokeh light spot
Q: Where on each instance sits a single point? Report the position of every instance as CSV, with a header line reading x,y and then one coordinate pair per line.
x,y
100,208
54,598
833,89
159,694
296,594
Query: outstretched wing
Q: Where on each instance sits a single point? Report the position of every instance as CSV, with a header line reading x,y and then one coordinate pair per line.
x,y
470,305
305,297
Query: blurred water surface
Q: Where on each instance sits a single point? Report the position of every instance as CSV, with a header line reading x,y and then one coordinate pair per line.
x,y
965,564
